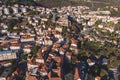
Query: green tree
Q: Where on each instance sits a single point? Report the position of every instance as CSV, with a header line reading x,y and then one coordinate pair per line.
x,y
117,26
98,22
103,72
69,76
34,50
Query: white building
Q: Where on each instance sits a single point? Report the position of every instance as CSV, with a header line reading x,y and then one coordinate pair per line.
x,y
7,55
15,46
6,11
24,10
27,39
15,10
27,50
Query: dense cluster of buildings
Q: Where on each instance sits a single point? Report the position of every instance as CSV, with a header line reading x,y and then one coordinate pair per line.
x,y
55,50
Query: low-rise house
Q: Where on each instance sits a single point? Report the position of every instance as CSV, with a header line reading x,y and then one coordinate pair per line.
x,y
76,74
4,45
58,29
44,20
24,9
15,46
27,50
98,78
5,26
31,78
92,22
14,41
90,62
40,60
6,11
7,55
3,31
27,38
100,26
15,10
55,77
63,21
48,42
111,29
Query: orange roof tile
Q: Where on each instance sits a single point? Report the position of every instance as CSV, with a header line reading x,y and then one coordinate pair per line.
x,y
15,44
31,78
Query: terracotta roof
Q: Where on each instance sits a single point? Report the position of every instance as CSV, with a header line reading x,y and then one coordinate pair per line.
x,y
65,46
73,40
57,59
32,60
97,78
15,44
61,49
56,44
31,78
89,60
3,43
68,53
55,32
58,71
76,74
27,36
55,79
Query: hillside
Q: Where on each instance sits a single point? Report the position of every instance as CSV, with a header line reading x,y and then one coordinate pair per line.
x,y
97,3
60,3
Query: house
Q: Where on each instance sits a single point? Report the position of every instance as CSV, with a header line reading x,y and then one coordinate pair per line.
x,y
104,61
14,41
55,74
4,45
15,46
63,21
100,26
58,61
3,31
15,10
6,11
5,26
40,60
97,78
31,78
31,63
27,38
12,34
62,51
27,50
59,28
76,74
7,55
24,9
90,62
3,78
44,20
92,21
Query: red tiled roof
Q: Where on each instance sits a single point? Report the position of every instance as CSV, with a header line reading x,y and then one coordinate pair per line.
x,y
15,44
31,78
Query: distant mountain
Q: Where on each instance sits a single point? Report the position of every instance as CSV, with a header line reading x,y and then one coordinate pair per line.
x,y
60,3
